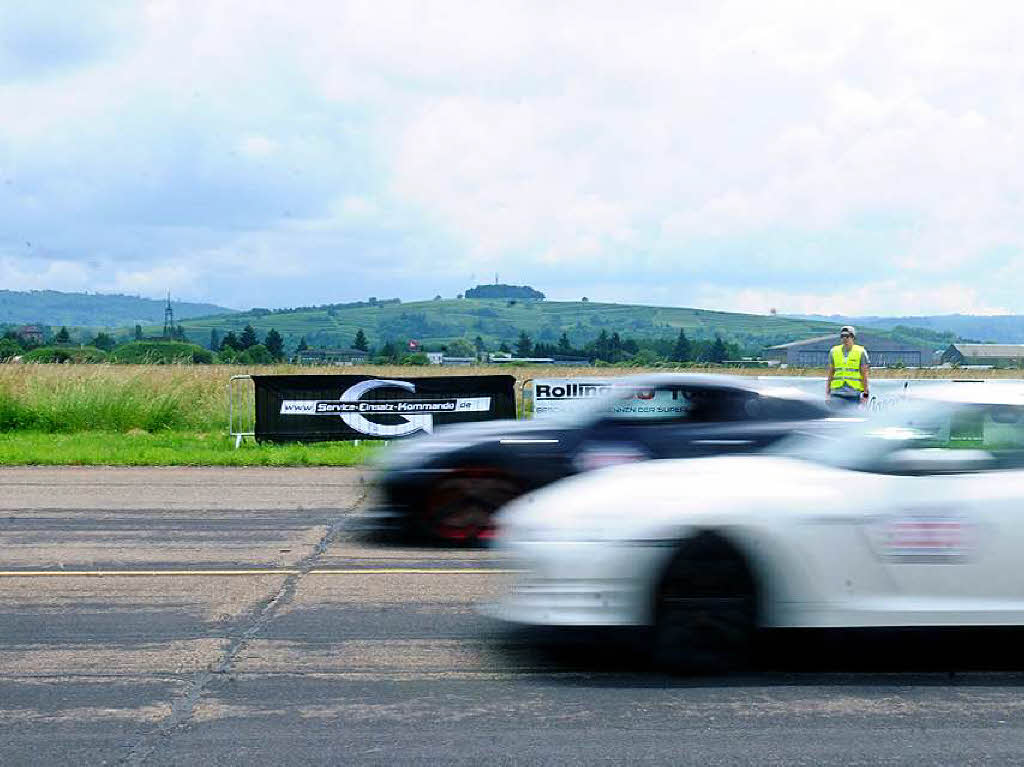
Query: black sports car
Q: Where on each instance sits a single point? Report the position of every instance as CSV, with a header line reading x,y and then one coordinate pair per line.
x,y
446,486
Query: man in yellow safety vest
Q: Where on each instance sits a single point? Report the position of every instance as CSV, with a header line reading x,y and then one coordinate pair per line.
x,y
847,371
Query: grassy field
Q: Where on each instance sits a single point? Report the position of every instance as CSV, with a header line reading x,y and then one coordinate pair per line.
x,y
169,448
178,414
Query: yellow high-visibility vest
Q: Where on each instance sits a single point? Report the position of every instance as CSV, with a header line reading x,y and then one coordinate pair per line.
x,y
847,370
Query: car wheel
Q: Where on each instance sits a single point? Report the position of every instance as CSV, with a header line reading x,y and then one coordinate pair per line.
x,y
705,610
460,509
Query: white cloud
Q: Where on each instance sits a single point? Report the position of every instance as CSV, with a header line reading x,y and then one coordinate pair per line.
x,y
730,154
257,146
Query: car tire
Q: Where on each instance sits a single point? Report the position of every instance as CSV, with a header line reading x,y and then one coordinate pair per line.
x,y
705,609
459,510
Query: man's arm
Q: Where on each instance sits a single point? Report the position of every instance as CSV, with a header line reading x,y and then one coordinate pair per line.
x,y
864,377
830,372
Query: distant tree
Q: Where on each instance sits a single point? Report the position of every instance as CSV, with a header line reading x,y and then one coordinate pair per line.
x,y
257,354
615,347
230,342
303,346
524,292
479,344
248,338
504,348
718,352
274,344
9,348
214,339
388,352
600,347
437,298
564,344
178,334
585,299
360,342
683,350
104,342
524,346
138,332
460,347
62,337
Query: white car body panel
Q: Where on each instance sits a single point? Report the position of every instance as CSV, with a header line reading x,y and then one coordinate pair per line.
x,y
831,547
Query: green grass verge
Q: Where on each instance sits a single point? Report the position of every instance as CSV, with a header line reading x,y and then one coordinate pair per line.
x,y
168,448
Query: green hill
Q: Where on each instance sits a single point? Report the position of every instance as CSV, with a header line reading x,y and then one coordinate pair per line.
x,y
495,321
54,308
997,329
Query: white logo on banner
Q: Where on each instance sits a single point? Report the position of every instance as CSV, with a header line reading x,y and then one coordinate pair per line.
x,y
416,415
357,421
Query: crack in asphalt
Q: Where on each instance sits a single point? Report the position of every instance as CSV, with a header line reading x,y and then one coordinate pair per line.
x,y
184,707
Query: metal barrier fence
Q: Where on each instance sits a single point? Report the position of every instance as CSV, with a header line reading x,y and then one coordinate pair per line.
x,y
241,408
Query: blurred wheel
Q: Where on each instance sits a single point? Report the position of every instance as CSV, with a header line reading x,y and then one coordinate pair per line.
x,y
706,612
460,509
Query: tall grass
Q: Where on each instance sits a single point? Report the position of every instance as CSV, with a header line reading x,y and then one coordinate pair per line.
x,y
120,398
62,398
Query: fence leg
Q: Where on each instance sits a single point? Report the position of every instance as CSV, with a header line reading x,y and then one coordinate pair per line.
x,y
238,441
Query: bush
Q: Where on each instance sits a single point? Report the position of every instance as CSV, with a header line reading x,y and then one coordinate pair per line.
x,y
84,354
160,353
256,355
415,359
8,348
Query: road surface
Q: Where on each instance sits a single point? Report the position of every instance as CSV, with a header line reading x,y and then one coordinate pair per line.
x,y
232,616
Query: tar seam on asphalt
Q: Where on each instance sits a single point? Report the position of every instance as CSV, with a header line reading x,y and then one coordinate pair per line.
x,y
372,570
183,708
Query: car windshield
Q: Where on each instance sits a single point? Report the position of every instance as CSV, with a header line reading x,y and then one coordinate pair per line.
x,y
930,425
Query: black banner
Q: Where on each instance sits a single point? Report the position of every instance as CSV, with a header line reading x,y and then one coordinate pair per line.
x,y
312,408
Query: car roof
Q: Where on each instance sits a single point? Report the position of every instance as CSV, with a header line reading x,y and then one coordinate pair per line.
x,y
972,393
740,383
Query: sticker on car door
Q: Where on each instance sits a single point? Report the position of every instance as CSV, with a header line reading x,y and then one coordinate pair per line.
x,y
919,537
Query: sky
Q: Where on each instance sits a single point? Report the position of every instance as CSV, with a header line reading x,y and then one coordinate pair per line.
x,y
853,158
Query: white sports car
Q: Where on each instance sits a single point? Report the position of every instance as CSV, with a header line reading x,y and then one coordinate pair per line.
x,y
913,518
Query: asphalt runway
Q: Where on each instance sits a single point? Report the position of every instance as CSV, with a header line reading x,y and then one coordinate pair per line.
x,y
233,616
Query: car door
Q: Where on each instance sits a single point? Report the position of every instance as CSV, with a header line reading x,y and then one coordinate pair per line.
x,y
950,531
675,421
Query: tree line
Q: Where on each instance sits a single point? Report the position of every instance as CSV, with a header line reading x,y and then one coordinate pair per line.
x,y
249,347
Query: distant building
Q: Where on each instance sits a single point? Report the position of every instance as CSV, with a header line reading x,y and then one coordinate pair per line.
x,y
331,357
31,334
458,361
1001,355
883,352
504,358
435,358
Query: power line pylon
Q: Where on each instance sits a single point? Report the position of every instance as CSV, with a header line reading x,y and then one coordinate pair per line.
x,y
168,317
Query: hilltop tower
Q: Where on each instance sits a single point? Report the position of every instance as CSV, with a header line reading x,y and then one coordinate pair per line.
x,y
168,317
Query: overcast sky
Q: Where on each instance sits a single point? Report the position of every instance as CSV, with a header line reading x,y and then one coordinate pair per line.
x,y
809,156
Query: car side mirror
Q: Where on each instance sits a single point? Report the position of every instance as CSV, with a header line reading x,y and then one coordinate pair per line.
x,y
937,460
